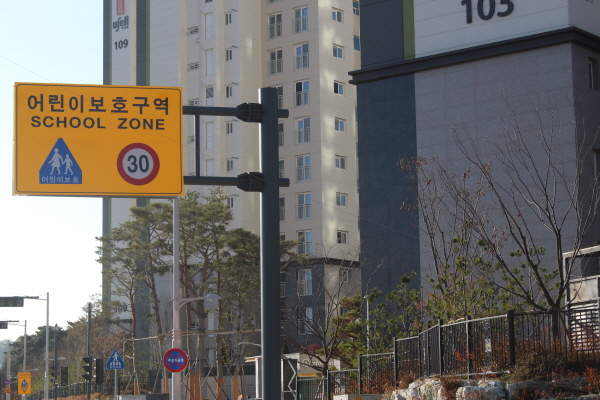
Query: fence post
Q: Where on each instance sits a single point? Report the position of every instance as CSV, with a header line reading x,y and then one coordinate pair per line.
x,y
469,348
441,348
419,354
359,374
510,315
395,360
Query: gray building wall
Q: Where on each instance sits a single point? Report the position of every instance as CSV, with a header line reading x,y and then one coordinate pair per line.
x,y
386,112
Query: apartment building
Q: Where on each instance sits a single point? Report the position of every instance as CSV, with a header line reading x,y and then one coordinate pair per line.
x,y
221,52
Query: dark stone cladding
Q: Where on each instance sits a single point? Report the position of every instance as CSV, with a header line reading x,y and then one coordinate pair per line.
x,y
401,67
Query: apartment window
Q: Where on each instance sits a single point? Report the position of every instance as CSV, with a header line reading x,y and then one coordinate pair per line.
x,y
228,54
193,30
275,61
342,237
338,88
274,29
279,96
338,51
302,93
304,205
302,168
282,168
210,135
593,73
337,15
210,99
229,127
304,281
194,102
357,43
303,130
193,66
230,202
280,133
229,164
355,7
340,199
300,19
208,26
304,239
345,275
210,62
228,18
340,162
210,167
282,208
305,318
229,91
340,125
301,56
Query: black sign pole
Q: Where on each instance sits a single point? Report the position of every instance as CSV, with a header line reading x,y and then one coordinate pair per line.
x,y
267,182
269,248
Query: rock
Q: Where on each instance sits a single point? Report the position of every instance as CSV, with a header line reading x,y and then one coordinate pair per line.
x,y
527,390
589,397
399,394
479,393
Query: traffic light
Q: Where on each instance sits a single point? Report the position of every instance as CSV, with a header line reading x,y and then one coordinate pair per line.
x,y
88,368
11,301
99,371
53,374
64,376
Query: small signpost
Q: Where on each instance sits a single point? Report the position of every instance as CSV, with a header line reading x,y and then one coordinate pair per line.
x,y
24,383
115,362
175,360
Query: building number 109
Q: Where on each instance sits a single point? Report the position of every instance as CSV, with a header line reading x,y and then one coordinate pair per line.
x,y
121,44
490,13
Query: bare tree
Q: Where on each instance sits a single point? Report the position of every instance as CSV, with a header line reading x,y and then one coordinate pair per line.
x,y
322,287
517,197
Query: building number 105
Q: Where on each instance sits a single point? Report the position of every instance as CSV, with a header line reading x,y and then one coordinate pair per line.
x,y
482,14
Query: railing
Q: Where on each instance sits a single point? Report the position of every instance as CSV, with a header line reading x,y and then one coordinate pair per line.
x,y
342,382
476,347
311,389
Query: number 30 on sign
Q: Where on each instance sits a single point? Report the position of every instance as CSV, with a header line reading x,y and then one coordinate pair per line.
x,y
138,164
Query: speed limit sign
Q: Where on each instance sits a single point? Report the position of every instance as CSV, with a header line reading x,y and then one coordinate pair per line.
x,y
138,164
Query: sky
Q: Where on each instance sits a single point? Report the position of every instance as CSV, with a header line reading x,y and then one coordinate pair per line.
x,y
48,243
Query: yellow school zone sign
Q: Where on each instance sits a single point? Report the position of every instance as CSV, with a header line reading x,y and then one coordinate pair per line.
x,y
92,140
24,382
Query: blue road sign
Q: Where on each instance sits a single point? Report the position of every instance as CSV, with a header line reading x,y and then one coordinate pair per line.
x,y
115,361
175,360
60,167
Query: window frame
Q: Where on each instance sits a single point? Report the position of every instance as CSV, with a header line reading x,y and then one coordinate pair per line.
x,y
301,56
228,91
228,18
337,15
302,135
304,281
209,26
303,169
302,96
338,88
274,29
341,162
210,100
341,199
275,64
300,20
339,125
304,246
338,51
341,237
304,205
228,54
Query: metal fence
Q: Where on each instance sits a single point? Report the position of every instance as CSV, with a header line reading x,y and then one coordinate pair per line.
x,y
477,347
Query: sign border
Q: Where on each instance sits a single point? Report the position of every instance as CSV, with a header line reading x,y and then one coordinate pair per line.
x,y
65,86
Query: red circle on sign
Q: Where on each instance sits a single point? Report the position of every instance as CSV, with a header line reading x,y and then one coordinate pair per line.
x,y
175,360
142,164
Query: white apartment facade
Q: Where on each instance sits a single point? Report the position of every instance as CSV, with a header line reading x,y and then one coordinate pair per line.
x,y
221,52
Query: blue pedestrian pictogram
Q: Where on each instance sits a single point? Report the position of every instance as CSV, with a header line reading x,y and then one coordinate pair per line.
x,y
115,361
60,167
